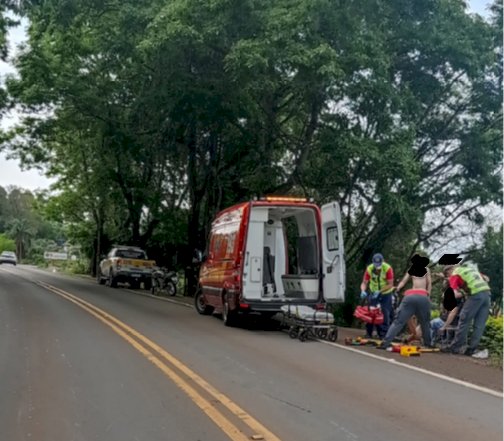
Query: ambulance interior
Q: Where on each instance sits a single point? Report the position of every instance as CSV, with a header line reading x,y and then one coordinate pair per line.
x,y
282,256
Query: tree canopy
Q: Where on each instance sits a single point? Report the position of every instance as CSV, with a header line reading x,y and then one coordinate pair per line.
x,y
154,115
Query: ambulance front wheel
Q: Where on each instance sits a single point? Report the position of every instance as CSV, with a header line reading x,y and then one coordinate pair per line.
x,y
200,305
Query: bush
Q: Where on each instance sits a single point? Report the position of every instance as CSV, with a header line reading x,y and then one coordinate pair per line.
x,y
492,338
77,267
36,260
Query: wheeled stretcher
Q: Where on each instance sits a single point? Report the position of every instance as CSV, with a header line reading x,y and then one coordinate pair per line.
x,y
304,322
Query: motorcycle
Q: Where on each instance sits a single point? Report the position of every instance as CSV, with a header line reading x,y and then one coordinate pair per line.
x,y
164,281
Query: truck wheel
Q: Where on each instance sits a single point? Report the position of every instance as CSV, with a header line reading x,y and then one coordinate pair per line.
x,y
147,285
134,285
228,317
99,278
112,281
199,304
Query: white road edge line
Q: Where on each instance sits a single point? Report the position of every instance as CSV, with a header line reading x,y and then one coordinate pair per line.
x,y
159,298
417,369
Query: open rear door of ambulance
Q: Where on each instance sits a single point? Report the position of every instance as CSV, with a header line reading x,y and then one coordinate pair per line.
x,y
333,255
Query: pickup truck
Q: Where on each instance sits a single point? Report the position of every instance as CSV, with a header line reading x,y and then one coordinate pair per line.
x,y
126,264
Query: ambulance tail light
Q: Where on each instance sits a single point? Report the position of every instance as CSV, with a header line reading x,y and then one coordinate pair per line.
x,y
236,277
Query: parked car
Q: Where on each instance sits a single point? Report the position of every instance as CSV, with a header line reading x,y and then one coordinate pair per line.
x,y
126,264
8,257
267,253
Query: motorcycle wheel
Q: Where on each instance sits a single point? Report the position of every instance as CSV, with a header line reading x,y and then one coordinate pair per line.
x,y
171,289
155,290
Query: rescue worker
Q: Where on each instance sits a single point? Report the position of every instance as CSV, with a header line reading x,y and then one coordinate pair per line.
x,y
476,308
379,275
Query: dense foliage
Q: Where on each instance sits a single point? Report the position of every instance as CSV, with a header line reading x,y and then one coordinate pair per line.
x,y
492,338
154,115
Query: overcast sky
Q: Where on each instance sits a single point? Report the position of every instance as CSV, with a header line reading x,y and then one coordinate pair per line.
x,y
10,171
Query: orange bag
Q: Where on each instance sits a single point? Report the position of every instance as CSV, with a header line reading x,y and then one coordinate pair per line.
x,y
369,314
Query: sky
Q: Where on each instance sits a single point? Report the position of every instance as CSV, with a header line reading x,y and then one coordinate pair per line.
x,y
11,173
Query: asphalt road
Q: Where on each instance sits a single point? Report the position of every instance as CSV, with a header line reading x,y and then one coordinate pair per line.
x,y
127,367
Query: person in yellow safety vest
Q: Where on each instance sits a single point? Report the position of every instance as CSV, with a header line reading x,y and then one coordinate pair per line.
x,y
476,307
379,275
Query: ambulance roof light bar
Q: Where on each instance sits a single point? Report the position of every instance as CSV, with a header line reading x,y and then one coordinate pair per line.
x,y
283,199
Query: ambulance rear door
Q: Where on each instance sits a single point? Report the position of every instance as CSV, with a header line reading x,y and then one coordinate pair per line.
x,y
333,256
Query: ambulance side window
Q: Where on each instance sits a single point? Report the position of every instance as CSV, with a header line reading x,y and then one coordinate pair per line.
x,y
332,239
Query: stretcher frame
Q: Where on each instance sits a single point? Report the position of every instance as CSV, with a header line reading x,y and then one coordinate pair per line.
x,y
315,326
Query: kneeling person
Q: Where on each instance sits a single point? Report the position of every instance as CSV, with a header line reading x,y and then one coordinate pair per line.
x,y
416,302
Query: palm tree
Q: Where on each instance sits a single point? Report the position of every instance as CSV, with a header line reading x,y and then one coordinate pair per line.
x,y
21,231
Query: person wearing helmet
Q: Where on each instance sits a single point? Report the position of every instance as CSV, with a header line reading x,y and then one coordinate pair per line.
x,y
379,276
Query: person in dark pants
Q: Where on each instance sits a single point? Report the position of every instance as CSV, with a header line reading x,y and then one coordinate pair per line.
x,y
416,301
380,278
476,308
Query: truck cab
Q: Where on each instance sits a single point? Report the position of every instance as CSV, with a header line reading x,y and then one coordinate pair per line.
x,y
266,253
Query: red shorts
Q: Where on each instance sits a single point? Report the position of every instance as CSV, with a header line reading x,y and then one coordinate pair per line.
x,y
417,292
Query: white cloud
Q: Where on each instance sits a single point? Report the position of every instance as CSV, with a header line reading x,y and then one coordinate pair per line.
x,y
11,174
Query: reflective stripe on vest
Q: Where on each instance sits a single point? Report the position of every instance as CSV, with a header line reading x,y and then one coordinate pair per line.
x,y
377,281
472,278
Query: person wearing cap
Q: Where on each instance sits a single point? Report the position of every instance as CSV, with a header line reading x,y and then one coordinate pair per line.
x,y
476,308
379,275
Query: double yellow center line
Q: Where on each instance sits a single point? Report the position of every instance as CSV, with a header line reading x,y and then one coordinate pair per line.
x,y
189,381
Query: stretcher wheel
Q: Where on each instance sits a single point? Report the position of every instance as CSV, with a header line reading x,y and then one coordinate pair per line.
x,y
293,332
303,335
333,335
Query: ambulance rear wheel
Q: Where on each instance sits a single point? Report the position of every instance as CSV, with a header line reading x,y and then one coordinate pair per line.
x,y
228,317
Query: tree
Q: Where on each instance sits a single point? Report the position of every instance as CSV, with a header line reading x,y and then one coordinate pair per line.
x,y
489,261
22,232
